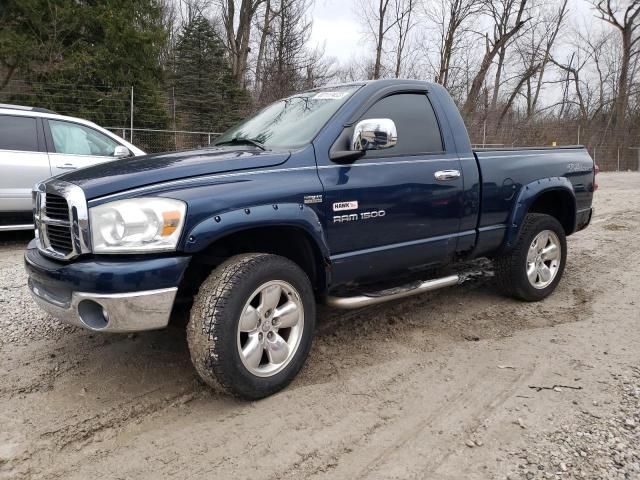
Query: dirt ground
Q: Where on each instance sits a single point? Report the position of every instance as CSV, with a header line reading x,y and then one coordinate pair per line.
x,y
436,386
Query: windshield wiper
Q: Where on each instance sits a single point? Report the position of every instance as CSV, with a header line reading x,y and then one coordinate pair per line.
x,y
242,140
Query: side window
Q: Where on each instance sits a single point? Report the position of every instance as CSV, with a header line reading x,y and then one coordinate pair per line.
x,y
18,133
73,139
418,130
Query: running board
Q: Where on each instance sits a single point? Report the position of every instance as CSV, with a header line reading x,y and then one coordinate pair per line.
x,y
393,294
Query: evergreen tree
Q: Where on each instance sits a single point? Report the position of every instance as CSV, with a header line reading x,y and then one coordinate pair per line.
x,y
81,57
210,99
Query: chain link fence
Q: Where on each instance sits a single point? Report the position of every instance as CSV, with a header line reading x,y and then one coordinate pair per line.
x,y
619,152
151,121
156,126
156,141
612,150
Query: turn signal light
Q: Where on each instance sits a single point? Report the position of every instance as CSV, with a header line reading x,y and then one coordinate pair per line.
x,y
171,222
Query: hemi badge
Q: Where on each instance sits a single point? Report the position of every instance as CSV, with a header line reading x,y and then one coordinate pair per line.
x,y
339,206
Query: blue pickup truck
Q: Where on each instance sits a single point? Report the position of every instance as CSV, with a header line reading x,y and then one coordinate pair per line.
x,y
339,194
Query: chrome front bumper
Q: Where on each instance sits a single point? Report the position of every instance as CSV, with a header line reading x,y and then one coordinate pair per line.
x,y
117,312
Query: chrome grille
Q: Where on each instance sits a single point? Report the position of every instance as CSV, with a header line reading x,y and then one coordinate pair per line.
x,y
56,207
59,238
60,214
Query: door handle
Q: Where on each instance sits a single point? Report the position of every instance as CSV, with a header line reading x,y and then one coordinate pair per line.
x,y
67,166
447,174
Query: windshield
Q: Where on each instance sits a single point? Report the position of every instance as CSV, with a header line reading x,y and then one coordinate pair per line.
x,y
291,122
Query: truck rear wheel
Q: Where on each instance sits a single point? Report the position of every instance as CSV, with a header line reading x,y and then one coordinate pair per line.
x,y
533,268
251,325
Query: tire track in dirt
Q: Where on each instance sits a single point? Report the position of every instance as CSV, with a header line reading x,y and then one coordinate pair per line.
x,y
401,453
395,441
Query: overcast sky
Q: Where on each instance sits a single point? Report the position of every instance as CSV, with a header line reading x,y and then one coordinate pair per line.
x,y
337,27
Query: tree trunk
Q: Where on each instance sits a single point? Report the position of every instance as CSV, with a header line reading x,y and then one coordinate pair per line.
x,y
498,43
547,55
263,45
399,58
238,38
496,85
525,78
621,98
445,57
403,13
382,10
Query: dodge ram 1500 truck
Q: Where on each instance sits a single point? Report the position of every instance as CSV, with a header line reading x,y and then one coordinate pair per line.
x,y
318,196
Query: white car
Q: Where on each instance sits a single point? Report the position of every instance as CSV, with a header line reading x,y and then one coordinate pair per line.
x,y
36,144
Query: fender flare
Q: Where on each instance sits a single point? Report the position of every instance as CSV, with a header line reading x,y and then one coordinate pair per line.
x,y
528,194
226,223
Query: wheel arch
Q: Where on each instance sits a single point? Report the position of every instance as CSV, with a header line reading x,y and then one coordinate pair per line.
x,y
551,196
289,230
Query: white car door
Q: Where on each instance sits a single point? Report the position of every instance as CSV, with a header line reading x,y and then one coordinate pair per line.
x,y
23,163
78,146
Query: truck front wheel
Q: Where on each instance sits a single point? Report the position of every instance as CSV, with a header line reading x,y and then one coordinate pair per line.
x,y
533,268
251,325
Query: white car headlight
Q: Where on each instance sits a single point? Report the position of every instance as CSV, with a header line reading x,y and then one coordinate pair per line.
x,y
137,225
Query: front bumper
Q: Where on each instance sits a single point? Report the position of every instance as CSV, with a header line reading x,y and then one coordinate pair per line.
x,y
108,295
116,312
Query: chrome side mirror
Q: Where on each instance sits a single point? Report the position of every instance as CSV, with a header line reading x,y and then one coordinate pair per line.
x,y
374,134
121,151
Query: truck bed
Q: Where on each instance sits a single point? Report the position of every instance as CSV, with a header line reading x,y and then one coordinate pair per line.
x,y
505,172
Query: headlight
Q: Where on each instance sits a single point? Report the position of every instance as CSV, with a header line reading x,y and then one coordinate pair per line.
x,y
137,225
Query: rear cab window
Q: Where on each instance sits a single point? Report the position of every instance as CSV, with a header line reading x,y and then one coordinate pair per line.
x,y
18,133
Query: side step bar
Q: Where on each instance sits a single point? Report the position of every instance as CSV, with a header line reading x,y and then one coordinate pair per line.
x,y
394,294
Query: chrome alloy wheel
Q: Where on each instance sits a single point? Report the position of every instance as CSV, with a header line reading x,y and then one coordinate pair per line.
x,y
543,259
270,328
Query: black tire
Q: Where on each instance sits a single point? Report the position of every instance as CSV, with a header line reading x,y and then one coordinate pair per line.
x,y
511,268
212,331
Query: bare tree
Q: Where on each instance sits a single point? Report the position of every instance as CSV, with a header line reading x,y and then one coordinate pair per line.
x,y
189,9
450,17
377,17
238,33
501,13
511,12
601,53
404,20
524,79
550,35
573,70
626,21
355,69
268,17
534,49
288,65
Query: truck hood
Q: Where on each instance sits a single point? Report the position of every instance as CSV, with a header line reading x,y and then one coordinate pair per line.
x,y
125,174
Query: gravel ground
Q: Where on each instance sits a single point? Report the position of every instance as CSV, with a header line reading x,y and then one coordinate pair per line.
x,y
595,445
20,319
460,383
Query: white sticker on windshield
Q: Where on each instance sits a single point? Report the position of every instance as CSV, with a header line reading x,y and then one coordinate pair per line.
x,y
329,95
